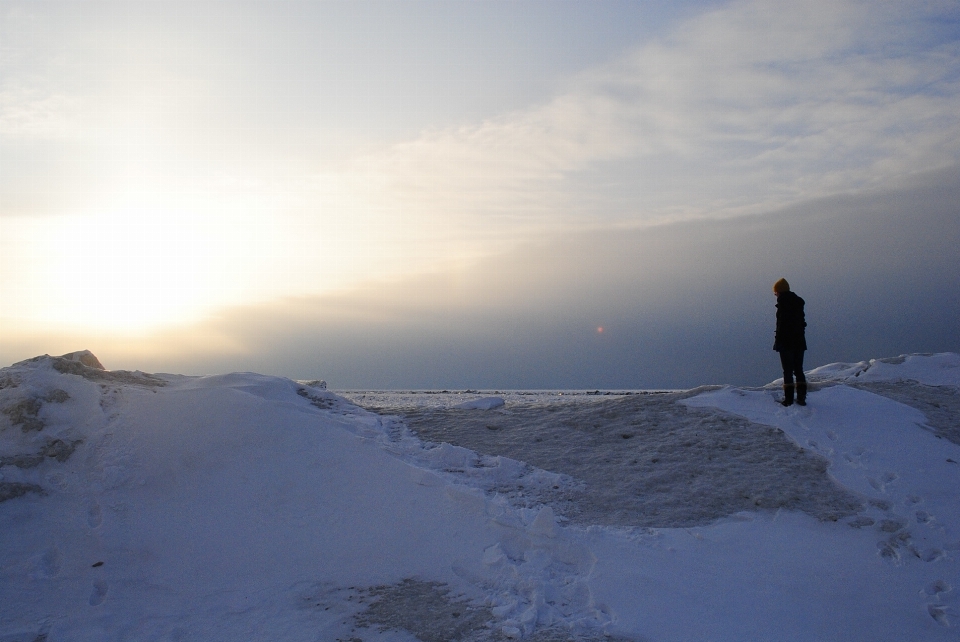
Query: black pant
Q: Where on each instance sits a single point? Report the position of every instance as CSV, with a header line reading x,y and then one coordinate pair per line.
x,y
792,362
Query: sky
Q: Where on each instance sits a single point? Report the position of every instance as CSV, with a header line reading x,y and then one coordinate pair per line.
x,y
477,194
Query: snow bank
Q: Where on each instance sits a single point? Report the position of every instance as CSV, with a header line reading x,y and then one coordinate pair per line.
x,y
941,369
208,507
240,506
879,448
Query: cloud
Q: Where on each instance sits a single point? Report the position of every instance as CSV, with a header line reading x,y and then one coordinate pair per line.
x,y
744,109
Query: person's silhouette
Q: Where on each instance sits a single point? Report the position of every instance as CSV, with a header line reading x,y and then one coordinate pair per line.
x,y
790,342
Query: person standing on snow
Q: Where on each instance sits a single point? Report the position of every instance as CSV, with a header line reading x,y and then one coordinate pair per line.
x,y
790,342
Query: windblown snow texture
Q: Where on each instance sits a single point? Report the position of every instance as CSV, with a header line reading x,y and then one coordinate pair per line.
x,y
647,460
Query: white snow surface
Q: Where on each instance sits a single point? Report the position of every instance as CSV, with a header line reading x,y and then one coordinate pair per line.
x,y
484,403
941,369
247,507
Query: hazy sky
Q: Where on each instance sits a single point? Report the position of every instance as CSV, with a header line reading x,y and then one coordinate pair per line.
x,y
461,194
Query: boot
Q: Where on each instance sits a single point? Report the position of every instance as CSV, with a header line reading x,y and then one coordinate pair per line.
x,y
787,395
802,393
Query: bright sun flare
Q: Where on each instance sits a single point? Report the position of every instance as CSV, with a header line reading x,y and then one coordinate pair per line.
x,y
137,268
130,269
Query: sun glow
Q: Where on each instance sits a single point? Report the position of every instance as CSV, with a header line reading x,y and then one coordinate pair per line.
x,y
129,269
153,262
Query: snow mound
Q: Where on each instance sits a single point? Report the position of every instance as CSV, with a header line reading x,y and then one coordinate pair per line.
x,y
85,357
942,369
486,403
144,507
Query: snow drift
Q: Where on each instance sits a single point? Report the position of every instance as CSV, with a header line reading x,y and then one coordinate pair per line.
x,y
240,506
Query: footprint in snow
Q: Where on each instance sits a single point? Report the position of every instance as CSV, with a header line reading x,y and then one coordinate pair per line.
x,y
861,521
936,587
939,613
94,516
931,555
891,525
48,565
99,593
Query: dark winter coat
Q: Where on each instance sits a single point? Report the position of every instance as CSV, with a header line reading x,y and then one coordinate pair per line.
x,y
790,323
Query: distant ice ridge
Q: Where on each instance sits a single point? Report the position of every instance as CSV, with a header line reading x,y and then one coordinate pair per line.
x,y
241,506
485,403
941,369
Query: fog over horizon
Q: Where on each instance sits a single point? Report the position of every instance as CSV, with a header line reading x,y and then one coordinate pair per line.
x,y
680,305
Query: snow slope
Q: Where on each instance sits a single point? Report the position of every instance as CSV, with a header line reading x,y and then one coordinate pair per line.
x,y
245,507
931,369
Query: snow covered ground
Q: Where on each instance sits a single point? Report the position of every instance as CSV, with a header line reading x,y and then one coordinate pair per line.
x,y
246,507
